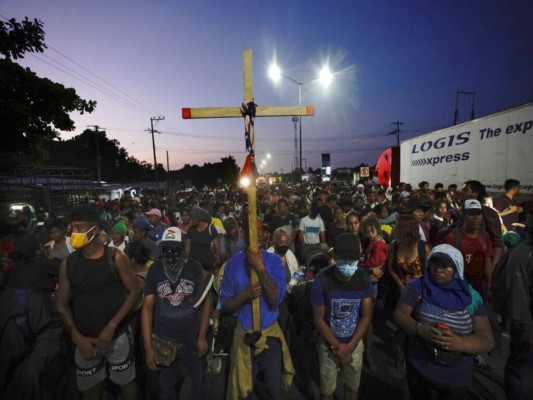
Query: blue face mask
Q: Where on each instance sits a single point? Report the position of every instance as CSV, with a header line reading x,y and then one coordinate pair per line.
x,y
346,269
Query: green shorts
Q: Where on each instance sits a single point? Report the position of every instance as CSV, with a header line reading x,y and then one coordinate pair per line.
x,y
329,365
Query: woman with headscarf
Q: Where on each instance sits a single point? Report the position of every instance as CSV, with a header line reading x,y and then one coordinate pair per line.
x,y
446,323
203,242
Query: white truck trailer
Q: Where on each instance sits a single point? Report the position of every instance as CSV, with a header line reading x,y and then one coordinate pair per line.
x,y
490,149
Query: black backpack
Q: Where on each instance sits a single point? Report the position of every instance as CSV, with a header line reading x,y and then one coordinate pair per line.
x,y
498,297
20,319
499,281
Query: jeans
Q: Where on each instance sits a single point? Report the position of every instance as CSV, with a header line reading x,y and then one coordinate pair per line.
x,y
269,362
188,355
519,366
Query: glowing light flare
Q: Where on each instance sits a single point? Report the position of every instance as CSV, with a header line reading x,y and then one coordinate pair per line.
x,y
274,73
245,181
248,171
325,76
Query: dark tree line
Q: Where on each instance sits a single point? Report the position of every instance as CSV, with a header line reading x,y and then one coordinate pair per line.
x,y
116,165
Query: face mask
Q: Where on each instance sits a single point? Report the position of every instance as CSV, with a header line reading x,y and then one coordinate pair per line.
x,y
173,260
80,240
346,269
281,250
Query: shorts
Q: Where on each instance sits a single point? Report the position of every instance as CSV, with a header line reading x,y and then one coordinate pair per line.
x,y
118,363
329,365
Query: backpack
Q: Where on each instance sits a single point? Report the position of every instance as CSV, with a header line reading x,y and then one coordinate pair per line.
x,y
21,319
499,282
300,305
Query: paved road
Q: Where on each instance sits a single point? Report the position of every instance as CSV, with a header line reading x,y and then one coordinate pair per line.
x,y
386,383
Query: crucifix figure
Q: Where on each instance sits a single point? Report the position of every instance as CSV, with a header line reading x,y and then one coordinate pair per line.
x,y
249,110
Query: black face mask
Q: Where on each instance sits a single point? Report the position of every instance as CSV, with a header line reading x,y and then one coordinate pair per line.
x,y
173,260
281,250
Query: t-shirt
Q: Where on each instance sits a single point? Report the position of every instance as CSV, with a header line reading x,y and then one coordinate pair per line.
x,y
237,277
288,223
311,229
501,204
229,248
474,250
375,254
177,312
156,233
342,300
459,321
201,245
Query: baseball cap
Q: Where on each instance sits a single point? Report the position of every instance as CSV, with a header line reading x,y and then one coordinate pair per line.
x,y
346,246
472,205
171,237
360,186
141,223
229,223
154,211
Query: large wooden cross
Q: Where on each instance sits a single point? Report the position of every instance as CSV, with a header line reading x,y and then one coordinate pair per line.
x,y
233,112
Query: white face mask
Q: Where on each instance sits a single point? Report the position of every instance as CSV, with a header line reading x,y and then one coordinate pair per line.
x,y
347,269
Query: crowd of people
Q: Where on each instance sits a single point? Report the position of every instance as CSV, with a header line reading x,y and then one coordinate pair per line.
x,y
118,296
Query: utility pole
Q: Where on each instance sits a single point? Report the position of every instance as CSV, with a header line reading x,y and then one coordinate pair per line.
x,y
396,132
97,133
160,118
168,170
295,120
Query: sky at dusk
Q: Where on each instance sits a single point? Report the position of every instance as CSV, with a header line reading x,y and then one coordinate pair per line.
x,y
393,61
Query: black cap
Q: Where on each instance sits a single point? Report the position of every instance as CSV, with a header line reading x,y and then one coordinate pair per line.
x,y
346,246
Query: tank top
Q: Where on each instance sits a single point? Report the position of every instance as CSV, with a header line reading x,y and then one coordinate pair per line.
x,y
407,270
96,292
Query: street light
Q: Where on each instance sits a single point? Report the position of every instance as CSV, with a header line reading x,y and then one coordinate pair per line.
x,y
325,77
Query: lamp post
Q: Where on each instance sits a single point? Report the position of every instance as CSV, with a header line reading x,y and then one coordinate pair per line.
x,y
325,79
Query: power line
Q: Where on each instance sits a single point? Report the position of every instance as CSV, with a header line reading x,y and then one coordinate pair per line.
x,y
103,80
93,86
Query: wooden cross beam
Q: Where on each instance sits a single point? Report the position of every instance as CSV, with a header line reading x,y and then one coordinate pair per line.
x,y
233,112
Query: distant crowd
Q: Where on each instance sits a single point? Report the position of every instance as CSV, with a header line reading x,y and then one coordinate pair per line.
x,y
116,296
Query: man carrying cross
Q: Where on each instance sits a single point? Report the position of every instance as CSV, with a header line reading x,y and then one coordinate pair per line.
x,y
253,283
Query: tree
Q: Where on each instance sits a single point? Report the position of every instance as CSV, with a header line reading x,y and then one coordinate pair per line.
x,y
32,109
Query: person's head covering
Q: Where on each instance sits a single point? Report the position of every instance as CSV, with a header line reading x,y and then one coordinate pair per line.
x,y
120,227
142,224
511,239
86,214
171,238
455,295
472,205
173,253
154,211
346,246
200,214
229,223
